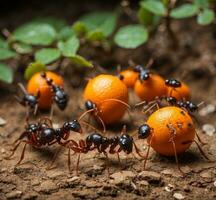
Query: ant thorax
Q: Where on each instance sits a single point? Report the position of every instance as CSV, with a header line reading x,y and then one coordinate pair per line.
x,y
126,143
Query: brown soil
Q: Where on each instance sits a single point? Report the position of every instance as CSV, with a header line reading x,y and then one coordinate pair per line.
x,y
30,180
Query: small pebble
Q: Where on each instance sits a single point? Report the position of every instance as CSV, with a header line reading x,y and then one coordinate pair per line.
x,y
169,188
178,196
14,194
2,122
214,183
210,108
209,129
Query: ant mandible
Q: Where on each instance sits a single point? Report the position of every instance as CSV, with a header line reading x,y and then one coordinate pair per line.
x,y
101,143
42,133
28,100
60,97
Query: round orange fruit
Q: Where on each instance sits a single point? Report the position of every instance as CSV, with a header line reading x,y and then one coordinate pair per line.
x,y
182,92
101,90
129,77
167,123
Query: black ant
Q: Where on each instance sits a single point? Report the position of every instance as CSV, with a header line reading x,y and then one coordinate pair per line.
x,y
60,97
101,143
173,84
28,100
42,133
146,132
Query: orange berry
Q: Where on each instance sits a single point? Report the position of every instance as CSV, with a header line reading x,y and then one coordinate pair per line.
x,y
182,92
38,83
148,89
105,87
180,121
130,77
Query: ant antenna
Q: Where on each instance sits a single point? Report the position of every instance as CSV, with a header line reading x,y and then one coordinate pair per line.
x,y
149,63
124,130
22,88
119,101
85,113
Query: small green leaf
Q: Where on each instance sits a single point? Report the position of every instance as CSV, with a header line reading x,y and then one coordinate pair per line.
x,y
3,43
6,74
22,48
145,17
206,17
33,68
65,33
6,54
79,60
80,28
154,6
96,35
35,34
70,47
131,36
184,11
103,21
57,23
47,55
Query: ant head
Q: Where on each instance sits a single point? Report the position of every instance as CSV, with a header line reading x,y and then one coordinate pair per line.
x,y
31,100
173,83
144,74
138,68
192,107
90,105
121,77
32,128
126,143
144,131
73,125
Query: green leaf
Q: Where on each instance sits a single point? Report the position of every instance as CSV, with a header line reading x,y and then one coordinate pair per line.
x,y
47,55
65,33
22,48
103,21
79,60
96,35
57,23
131,36
70,47
145,17
154,6
206,17
32,69
3,43
6,54
6,74
184,11
79,28
201,3
35,34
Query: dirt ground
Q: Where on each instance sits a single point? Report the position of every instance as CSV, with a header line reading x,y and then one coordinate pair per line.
x,y
194,62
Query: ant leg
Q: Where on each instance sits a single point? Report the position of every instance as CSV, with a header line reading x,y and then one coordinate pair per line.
x,y
147,154
51,112
91,126
85,113
176,156
22,88
102,122
150,108
141,103
201,151
14,149
199,139
35,109
138,151
123,131
22,155
77,165
107,163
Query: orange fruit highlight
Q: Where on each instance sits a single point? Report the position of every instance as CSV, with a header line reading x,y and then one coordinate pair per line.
x,y
38,83
104,87
179,93
181,122
130,77
148,89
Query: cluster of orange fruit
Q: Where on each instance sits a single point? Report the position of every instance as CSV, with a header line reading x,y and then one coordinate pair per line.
x,y
172,129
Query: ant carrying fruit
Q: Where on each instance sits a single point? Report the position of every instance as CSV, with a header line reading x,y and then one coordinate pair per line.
x,y
106,97
169,131
101,143
42,133
28,100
